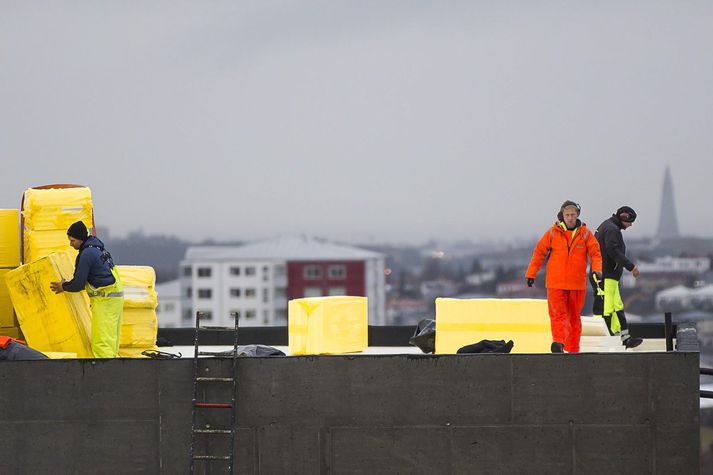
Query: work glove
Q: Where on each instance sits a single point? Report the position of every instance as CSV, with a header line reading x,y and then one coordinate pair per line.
x,y
529,281
597,277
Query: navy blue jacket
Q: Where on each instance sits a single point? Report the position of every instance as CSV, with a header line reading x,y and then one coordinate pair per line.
x,y
611,243
91,266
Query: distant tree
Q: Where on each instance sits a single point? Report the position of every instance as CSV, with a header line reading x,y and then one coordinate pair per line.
x,y
476,267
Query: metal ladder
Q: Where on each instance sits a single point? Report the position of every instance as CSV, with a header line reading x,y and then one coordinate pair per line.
x,y
198,406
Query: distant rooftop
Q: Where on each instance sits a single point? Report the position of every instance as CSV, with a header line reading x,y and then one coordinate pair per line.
x,y
170,289
289,248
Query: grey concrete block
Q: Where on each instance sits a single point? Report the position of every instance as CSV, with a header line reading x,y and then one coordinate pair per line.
x,y
397,390
116,389
673,375
677,449
580,388
390,450
512,449
300,449
116,447
612,449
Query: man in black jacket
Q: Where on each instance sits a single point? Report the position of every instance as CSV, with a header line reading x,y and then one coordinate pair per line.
x,y
608,303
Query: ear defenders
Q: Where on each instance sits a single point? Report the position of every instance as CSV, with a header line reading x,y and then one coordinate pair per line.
x,y
566,204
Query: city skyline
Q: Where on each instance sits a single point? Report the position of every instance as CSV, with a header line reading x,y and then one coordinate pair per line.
x,y
378,122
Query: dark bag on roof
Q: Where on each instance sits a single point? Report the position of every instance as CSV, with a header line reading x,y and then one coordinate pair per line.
x,y
425,336
487,346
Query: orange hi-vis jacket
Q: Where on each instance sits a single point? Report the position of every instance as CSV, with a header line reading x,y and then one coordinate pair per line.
x,y
567,264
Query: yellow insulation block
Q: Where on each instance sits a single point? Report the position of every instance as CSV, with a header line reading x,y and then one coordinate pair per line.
x,y
12,332
129,352
138,328
58,355
460,322
324,325
7,314
49,321
139,286
56,208
9,237
39,244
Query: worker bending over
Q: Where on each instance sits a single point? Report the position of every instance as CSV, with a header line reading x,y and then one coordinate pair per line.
x,y
94,271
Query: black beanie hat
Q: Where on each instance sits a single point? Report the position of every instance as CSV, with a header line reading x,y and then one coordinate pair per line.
x,y
626,214
78,231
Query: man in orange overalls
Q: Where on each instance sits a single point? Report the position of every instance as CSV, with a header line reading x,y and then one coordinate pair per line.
x,y
568,243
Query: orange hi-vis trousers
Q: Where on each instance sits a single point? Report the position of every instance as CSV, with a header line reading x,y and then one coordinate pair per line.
x,y
565,307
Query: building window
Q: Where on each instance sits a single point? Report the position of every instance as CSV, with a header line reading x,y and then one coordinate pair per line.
x,y
280,293
169,307
250,314
205,293
337,272
265,317
187,271
313,291
250,292
187,314
189,292
204,272
265,273
280,271
281,315
250,270
235,292
337,291
312,272
235,271
206,314
265,295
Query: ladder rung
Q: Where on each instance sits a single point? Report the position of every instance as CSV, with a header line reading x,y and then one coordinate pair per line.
x,y
212,431
218,329
214,405
215,380
211,457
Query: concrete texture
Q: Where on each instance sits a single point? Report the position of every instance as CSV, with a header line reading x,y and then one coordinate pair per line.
x,y
409,414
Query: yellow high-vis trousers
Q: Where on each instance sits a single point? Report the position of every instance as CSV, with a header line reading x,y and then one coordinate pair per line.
x,y
107,307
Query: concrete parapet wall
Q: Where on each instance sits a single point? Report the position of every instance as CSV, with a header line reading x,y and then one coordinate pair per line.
x,y
587,413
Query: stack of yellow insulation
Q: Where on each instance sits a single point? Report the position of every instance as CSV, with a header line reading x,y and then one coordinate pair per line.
x,y
55,323
9,259
139,324
324,325
460,322
47,214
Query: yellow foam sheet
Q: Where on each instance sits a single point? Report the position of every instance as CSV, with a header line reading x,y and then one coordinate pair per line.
x,y
130,352
461,322
39,244
59,355
49,321
139,286
56,208
7,314
9,237
324,325
12,332
138,328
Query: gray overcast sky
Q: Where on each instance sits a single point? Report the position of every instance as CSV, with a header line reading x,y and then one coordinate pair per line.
x,y
386,120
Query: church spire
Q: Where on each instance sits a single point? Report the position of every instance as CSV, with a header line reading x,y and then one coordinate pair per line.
x,y
668,221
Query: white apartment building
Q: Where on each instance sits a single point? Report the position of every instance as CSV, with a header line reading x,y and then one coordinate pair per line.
x,y
254,280
168,311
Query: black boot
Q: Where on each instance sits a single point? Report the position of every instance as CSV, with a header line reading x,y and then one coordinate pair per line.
x,y
557,347
632,342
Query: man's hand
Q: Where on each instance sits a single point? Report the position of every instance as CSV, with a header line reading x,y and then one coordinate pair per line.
x,y
529,281
597,277
635,272
56,287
